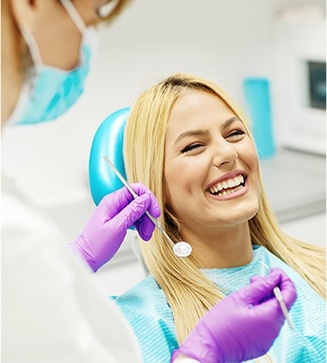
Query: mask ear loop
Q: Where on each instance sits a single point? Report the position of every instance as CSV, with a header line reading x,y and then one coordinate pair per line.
x,y
32,44
73,13
30,39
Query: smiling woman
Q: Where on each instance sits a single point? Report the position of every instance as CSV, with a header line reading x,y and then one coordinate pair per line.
x,y
190,144
216,153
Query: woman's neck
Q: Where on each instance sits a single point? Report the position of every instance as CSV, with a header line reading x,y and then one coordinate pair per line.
x,y
229,247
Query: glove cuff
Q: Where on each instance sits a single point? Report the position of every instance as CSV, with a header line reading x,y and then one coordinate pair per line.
x,y
84,255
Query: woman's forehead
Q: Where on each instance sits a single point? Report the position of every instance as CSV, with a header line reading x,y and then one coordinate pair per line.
x,y
196,106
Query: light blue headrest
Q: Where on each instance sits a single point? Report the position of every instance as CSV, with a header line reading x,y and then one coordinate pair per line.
x,y
108,141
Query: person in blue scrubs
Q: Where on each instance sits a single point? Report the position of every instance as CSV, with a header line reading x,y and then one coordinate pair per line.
x,y
188,142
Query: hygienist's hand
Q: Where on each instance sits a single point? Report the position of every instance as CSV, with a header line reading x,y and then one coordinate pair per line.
x,y
242,326
107,227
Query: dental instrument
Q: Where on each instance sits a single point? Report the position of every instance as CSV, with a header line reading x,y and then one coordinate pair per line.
x,y
279,297
180,249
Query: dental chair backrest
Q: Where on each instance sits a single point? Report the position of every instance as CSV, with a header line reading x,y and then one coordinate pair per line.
x,y
108,141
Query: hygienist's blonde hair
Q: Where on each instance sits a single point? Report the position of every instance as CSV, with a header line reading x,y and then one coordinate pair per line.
x,y
189,293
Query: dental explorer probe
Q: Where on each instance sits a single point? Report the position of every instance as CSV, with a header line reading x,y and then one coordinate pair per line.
x,y
181,249
279,297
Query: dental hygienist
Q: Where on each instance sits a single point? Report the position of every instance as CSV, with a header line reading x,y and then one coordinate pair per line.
x,y
52,311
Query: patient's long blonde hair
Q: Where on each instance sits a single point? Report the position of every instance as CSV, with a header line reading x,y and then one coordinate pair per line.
x,y
189,293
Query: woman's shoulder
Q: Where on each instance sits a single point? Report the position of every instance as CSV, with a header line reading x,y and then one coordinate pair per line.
x,y
147,310
145,305
146,294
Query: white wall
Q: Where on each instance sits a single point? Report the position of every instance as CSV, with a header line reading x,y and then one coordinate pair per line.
x,y
222,40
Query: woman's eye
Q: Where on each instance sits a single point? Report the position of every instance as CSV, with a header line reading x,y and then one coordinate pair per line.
x,y
236,134
190,147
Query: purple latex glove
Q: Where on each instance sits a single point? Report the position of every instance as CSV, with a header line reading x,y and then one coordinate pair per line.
x,y
108,225
242,326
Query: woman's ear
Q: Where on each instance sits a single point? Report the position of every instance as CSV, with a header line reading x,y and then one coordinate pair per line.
x,y
46,25
24,11
37,13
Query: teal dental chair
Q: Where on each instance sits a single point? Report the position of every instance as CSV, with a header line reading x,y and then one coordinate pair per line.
x,y
108,141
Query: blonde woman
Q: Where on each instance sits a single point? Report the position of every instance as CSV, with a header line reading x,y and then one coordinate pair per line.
x,y
188,143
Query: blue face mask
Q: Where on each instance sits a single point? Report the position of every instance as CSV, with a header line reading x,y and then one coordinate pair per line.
x,y
48,91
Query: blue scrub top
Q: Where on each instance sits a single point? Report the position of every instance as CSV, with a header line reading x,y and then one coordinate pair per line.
x,y
146,308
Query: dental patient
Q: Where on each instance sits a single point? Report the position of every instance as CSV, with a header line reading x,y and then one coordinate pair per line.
x,y
187,142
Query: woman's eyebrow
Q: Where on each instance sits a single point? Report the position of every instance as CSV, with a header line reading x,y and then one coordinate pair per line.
x,y
229,122
191,133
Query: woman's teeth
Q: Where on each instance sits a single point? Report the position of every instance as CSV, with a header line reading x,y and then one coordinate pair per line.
x,y
228,186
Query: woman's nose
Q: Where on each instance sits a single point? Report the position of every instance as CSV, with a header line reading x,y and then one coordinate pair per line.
x,y
224,153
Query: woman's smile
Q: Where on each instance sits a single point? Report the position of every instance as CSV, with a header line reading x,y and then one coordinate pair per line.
x,y
229,186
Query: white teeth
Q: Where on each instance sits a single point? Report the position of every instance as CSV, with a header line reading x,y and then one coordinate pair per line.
x,y
226,184
230,183
237,180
